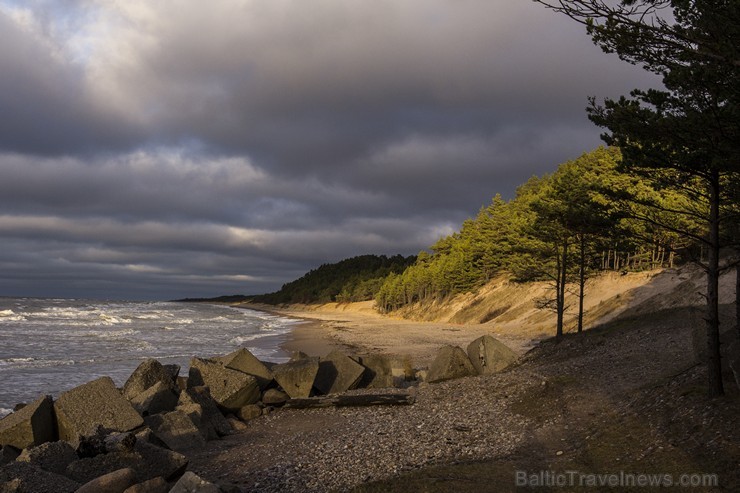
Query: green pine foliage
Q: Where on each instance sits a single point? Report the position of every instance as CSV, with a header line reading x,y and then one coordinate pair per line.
x,y
353,279
586,217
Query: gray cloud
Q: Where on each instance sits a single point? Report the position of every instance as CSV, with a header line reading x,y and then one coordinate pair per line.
x,y
150,149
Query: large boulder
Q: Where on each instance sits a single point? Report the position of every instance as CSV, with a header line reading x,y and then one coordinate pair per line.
x,y
156,485
198,404
80,411
274,397
451,362
338,373
297,377
231,389
31,425
22,477
147,374
113,482
192,483
159,398
51,456
244,361
250,412
489,355
176,430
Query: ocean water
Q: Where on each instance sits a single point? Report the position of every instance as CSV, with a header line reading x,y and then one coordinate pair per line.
x,y
51,345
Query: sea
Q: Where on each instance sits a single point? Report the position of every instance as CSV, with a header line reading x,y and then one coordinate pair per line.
x,y
48,346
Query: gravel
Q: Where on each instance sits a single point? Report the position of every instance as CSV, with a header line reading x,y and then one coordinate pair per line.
x,y
312,450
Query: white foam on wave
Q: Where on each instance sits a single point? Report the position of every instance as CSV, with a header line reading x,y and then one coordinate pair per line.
x,y
4,411
38,363
239,340
11,316
14,361
113,320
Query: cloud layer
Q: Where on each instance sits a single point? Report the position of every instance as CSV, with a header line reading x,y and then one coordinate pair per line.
x,y
157,150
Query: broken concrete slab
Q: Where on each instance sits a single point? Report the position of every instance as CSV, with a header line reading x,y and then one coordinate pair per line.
x,y
23,477
231,389
159,398
147,374
338,373
489,355
51,456
29,426
198,404
451,362
297,377
244,361
387,370
176,430
82,410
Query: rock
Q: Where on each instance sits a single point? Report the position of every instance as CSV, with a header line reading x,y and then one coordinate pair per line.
x,y
8,454
231,389
297,377
51,456
156,485
378,371
22,477
338,373
244,361
146,435
176,430
98,403
237,425
173,370
148,461
451,362
489,355
210,421
29,426
120,442
298,356
250,412
92,444
387,370
113,482
192,483
274,397
146,375
159,398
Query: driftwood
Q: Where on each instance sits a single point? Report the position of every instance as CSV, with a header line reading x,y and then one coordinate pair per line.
x,y
351,400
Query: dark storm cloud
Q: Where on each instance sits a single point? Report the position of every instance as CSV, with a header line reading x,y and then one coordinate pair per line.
x,y
231,146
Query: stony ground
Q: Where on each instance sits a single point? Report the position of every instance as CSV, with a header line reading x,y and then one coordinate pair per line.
x,y
627,397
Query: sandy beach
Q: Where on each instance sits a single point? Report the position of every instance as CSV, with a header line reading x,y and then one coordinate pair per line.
x,y
358,328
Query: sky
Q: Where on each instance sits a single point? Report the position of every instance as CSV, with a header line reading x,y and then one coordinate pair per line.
x,y
168,149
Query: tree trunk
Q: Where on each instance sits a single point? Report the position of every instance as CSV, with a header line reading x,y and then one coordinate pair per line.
x,y
581,282
560,290
351,400
737,299
714,364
